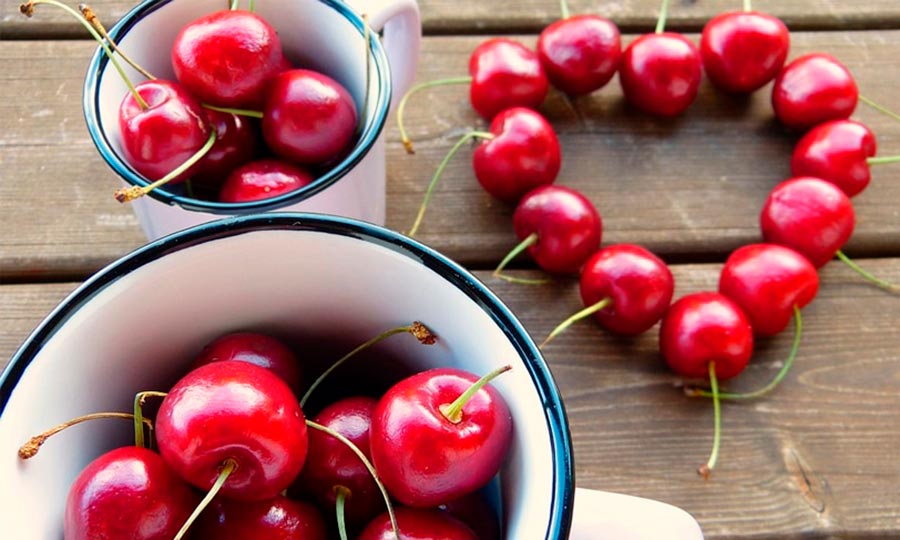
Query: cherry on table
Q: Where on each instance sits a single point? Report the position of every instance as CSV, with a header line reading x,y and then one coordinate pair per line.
x,y
256,348
837,151
581,53
279,518
812,89
263,179
418,524
505,74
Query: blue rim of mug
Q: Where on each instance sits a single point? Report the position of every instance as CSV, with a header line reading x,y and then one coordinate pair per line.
x,y
563,487
374,123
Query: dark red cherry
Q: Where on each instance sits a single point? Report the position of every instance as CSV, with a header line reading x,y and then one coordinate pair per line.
x,y
581,53
660,73
278,518
813,89
476,511
256,348
263,179
505,74
836,151
236,144
415,524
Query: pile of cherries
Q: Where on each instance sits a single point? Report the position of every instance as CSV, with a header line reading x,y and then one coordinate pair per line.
x,y
804,222
410,463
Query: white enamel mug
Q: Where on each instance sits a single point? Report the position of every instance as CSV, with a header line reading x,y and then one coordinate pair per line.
x,y
136,324
324,35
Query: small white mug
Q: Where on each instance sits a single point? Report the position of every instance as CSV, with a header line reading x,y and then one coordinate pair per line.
x,y
325,35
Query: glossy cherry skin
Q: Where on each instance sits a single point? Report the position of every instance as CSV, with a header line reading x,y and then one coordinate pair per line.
x,y
158,139
422,457
227,58
809,215
638,282
238,411
279,518
523,155
257,348
836,151
263,179
660,73
128,492
813,89
477,513
308,117
743,50
567,225
505,74
767,281
581,53
418,524
236,144
706,327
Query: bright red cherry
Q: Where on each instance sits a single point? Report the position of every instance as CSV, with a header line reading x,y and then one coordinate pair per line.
x,y
263,179
581,53
743,50
836,151
505,74
523,155
278,518
256,348
236,144
767,281
813,89
415,524
810,215
660,73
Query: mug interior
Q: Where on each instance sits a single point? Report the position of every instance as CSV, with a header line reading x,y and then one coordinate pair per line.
x,y
323,284
323,35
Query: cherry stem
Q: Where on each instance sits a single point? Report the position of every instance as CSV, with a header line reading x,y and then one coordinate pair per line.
x,y
882,160
135,192
365,461
27,9
526,243
233,5
92,18
228,110
879,108
440,170
341,493
139,399
878,282
417,329
401,107
251,7
453,411
30,448
228,466
564,8
590,310
795,346
747,6
663,14
705,469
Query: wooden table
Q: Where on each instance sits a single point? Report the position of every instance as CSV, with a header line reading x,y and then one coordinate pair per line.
x,y
819,458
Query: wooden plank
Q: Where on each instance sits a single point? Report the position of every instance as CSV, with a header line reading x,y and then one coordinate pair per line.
x,y
816,458
447,17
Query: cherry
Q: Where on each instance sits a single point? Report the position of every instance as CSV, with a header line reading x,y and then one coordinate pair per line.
x,y
505,74
438,435
236,144
233,416
279,518
227,58
263,179
128,492
813,89
477,513
580,54
418,524
810,215
256,348
836,151
743,50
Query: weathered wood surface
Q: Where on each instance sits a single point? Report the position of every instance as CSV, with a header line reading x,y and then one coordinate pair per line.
x,y
816,459
690,189
450,17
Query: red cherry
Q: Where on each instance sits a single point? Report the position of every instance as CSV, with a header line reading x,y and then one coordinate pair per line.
x,y
505,74
836,151
810,215
743,50
813,89
705,327
273,519
639,284
660,73
256,348
263,179
415,524
568,228
426,455
235,145
129,493
523,155
233,411
767,281
580,54
477,513
226,58
308,117
158,138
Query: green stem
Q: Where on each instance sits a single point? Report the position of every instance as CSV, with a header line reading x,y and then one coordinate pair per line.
x,y
586,312
453,411
747,6
878,282
227,468
401,107
139,399
233,4
229,110
341,494
564,8
251,7
879,108
92,18
663,15
526,243
882,160
30,448
706,469
439,171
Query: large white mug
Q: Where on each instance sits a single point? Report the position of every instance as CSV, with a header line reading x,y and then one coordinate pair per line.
x,y
324,35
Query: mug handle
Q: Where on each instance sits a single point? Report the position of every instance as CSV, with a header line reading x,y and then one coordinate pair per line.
x,y
402,26
600,515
